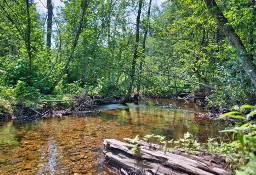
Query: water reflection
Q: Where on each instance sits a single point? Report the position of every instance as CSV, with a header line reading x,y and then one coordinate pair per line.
x,y
8,134
74,144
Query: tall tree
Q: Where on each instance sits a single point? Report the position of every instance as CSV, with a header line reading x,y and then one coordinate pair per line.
x,y
81,25
244,56
28,43
135,54
49,24
147,25
26,24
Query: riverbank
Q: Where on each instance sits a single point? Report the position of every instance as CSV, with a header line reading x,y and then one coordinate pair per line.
x,y
87,106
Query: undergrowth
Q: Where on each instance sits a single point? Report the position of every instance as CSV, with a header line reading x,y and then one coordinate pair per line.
x,y
239,152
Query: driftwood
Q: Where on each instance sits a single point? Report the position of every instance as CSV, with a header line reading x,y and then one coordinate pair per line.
x,y
149,161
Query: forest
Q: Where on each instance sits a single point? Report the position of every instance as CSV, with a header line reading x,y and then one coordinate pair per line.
x,y
118,48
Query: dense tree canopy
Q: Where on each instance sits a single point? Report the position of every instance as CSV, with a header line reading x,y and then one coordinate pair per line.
x,y
106,47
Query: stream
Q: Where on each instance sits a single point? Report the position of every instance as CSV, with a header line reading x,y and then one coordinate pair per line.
x,y
74,144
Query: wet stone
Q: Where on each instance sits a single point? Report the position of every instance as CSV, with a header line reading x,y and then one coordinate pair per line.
x,y
31,156
40,165
77,158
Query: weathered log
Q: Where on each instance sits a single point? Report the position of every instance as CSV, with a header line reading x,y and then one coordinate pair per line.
x,y
58,101
149,161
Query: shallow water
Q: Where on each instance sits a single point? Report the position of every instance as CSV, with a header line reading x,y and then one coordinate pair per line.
x,y
73,145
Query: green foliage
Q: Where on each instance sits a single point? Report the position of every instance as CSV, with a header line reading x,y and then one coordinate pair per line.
x,y
136,148
239,152
233,115
244,144
185,50
5,107
7,99
250,168
238,112
136,139
188,143
110,89
25,93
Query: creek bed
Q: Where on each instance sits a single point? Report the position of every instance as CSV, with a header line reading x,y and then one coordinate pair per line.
x,y
73,145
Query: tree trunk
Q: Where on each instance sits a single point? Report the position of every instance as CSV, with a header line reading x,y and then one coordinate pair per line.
x,y
84,6
135,54
28,43
49,24
245,57
144,46
252,34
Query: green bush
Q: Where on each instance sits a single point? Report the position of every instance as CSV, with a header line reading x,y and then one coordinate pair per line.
x,y
110,89
6,108
7,99
244,134
26,94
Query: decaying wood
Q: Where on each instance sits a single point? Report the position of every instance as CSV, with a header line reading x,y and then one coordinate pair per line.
x,y
150,161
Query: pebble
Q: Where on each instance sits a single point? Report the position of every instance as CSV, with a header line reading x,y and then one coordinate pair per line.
x,y
28,167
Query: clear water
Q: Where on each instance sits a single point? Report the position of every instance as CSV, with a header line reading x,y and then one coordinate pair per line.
x,y
73,145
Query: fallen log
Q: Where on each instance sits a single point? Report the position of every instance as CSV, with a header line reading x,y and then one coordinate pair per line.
x,y
148,161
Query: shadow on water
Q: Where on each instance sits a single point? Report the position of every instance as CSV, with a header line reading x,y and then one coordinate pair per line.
x,y
74,144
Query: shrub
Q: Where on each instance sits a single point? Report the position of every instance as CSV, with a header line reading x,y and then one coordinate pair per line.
x,y
26,94
7,99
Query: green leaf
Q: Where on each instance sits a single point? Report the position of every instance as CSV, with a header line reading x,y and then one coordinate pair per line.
x,y
146,137
245,107
245,125
235,108
229,130
251,114
235,129
230,114
241,138
135,139
134,150
187,135
237,117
